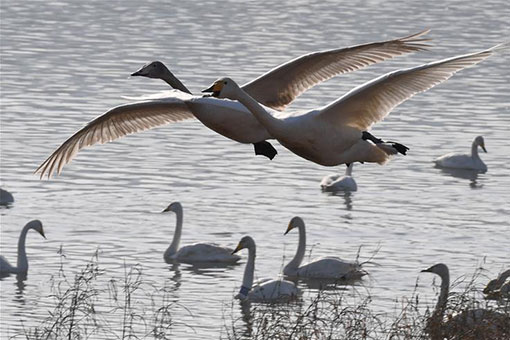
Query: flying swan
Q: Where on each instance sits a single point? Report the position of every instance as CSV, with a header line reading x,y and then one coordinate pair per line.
x,y
197,252
472,322
463,161
274,89
266,290
337,133
22,265
323,268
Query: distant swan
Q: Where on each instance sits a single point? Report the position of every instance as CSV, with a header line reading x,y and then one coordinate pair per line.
x,y
266,289
467,322
463,161
275,89
339,182
5,197
337,133
197,252
22,265
497,288
323,268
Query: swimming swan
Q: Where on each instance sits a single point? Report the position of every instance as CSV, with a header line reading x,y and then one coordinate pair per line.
x,y
323,268
497,288
336,133
467,322
197,252
264,290
22,265
276,89
340,183
463,161
6,197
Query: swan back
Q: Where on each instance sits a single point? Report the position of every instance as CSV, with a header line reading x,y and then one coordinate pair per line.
x,y
340,183
274,290
5,197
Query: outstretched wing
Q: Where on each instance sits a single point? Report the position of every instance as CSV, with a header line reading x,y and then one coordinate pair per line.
x,y
116,123
280,86
374,100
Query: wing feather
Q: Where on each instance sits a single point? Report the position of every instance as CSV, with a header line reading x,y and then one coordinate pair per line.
x,y
114,124
280,86
374,100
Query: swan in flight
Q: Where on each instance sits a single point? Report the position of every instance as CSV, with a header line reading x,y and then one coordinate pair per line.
x,y
275,89
22,265
197,252
5,197
266,289
497,288
337,133
472,322
323,268
340,183
463,161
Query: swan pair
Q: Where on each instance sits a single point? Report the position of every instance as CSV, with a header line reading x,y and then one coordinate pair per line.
x,y
463,161
22,264
274,89
470,322
336,133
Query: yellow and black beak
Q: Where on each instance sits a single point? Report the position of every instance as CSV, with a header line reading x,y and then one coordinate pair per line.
x,y
239,247
214,88
289,228
428,270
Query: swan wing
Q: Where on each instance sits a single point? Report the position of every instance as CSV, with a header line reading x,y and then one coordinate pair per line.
x,y
5,266
206,252
374,100
273,290
281,85
114,124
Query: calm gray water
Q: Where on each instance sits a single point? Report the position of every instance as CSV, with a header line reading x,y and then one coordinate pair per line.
x,y
63,63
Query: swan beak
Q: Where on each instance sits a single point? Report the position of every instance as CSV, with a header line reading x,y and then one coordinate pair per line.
x,y
483,148
237,249
289,228
425,270
166,209
42,234
214,88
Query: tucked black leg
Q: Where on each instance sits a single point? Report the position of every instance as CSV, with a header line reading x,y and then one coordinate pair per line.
x,y
347,164
367,135
399,147
265,148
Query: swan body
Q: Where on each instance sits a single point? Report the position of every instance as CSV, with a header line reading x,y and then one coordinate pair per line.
x,y
5,197
339,182
498,288
464,161
197,252
470,322
265,290
22,263
323,268
274,89
336,133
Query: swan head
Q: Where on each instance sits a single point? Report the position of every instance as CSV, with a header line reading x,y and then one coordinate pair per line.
x,y
296,222
246,243
223,88
440,269
480,142
176,207
37,226
154,69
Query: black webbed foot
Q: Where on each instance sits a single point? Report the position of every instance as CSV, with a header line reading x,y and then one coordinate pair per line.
x,y
399,147
265,148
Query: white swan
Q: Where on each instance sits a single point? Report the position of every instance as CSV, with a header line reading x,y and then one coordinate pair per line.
x,y
276,89
5,197
467,322
340,183
22,264
323,268
463,161
335,134
197,252
266,289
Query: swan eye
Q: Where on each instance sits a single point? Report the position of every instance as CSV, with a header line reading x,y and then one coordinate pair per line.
x,y
224,83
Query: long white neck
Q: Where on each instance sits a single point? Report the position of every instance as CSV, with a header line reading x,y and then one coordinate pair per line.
x,y
348,171
300,253
265,118
474,150
443,295
22,265
175,83
249,270
174,246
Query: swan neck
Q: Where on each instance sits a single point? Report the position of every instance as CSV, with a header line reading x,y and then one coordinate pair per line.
x,y
22,264
175,83
300,252
249,270
443,295
174,246
264,117
474,151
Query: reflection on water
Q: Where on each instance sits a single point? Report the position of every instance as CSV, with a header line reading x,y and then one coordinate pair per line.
x,y
471,175
65,63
